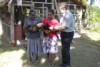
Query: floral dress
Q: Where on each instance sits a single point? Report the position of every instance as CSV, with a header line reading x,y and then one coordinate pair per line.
x,y
50,39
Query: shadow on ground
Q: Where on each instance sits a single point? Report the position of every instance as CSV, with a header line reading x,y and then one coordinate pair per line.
x,y
84,53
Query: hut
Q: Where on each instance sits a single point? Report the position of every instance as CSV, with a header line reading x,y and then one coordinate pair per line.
x,y
19,9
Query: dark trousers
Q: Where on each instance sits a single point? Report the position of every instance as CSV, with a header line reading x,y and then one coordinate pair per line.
x,y
66,39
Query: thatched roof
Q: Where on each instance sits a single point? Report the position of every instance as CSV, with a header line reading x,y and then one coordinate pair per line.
x,y
3,2
80,3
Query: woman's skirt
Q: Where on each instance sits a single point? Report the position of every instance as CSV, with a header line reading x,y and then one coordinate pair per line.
x,y
50,45
34,47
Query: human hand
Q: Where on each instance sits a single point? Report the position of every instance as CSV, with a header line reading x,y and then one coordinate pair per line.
x,y
39,24
34,29
47,31
51,28
56,27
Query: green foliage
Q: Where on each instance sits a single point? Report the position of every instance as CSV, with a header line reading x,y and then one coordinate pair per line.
x,y
84,1
84,14
94,18
94,15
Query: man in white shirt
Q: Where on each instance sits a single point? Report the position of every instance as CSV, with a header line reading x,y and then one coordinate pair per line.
x,y
67,33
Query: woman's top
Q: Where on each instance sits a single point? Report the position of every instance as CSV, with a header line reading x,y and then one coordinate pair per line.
x,y
50,23
29,25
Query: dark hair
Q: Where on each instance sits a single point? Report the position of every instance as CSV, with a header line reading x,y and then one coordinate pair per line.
x,y
52,11
31,11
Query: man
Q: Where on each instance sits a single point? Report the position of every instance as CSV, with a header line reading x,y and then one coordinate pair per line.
x,y
67,32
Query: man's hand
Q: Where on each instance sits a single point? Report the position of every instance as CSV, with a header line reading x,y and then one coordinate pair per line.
x,y
60,28
56,27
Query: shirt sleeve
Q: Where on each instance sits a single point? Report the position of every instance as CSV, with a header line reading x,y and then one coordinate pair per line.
x,y
25,25
66,21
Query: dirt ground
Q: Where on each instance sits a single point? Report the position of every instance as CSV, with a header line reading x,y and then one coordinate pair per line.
x,y
85,52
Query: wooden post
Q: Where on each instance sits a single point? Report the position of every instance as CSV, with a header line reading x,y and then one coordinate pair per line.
x,y
74,10
9,5
32,4
1,31
43,10
57,9
52,4
45,1
80,20
69,4
46,11
12,23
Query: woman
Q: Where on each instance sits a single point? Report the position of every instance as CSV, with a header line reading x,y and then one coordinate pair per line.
x,y
34,47
50,36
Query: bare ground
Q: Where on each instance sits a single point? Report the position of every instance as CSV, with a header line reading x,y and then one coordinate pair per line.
x,y
85,52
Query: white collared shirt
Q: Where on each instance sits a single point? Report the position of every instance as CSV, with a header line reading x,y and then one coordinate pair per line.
x,y
67,20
